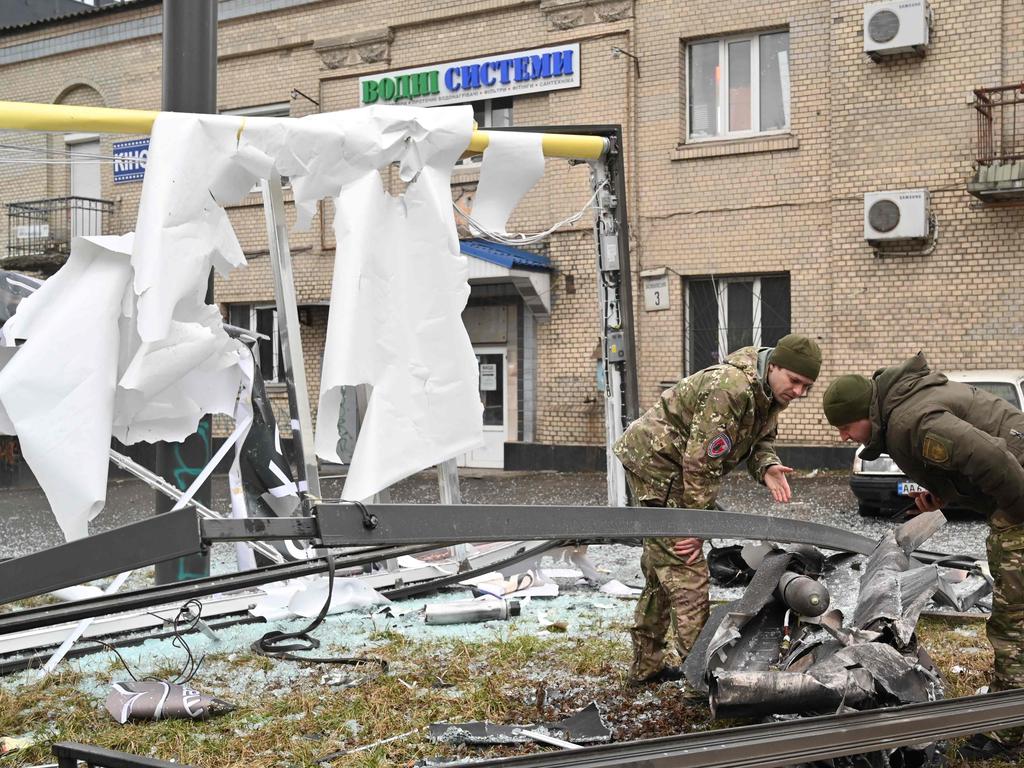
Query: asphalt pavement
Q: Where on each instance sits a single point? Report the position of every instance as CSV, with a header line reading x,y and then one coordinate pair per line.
x,y
26,524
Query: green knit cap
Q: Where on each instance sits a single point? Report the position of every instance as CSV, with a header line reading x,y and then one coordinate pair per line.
x,y
799,354
847,399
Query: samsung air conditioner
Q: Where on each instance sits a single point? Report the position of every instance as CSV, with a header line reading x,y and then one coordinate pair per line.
x,y
899,26
899,215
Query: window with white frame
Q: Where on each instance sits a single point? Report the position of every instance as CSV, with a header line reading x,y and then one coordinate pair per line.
x,y
726,313
263,320
738,86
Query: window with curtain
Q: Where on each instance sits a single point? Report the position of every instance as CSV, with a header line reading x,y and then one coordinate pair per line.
x,y
738,86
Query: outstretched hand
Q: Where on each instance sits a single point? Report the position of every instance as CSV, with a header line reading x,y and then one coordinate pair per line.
x,y
775,480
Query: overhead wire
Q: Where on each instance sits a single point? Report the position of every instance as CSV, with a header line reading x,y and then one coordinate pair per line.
x,y
526,239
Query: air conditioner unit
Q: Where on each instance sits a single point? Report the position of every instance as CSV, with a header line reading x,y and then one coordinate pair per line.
x,y
899,215
899,26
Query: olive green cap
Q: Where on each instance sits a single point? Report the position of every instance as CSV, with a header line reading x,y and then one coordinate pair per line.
x,y
799,354
847,399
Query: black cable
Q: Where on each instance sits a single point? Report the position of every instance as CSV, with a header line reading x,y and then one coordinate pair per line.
x,y
191,666
275,644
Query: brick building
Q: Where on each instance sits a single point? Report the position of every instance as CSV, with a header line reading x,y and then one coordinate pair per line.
x,y
753,132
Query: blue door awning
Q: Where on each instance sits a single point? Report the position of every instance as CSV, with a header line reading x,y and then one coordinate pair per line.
x,y
504,255
529,273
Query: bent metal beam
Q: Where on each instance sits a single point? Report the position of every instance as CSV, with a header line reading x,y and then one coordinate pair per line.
x,y
183,532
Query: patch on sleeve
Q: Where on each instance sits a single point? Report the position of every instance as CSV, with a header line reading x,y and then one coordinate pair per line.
x,y
936,449
719,445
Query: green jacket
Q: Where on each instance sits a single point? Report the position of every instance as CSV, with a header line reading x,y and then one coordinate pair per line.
x,y
700,429
963,444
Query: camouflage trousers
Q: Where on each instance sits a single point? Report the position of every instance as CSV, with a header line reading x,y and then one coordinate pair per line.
x,y
674,602
1005,626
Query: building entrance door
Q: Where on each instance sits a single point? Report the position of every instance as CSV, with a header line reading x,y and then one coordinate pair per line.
x,y
491,364
85,182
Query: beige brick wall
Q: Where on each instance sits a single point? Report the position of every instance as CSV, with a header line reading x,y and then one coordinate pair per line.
x,y
790,203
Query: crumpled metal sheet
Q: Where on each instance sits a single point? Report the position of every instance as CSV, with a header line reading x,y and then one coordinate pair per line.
x,y
892,590
741,660
585,727
158,700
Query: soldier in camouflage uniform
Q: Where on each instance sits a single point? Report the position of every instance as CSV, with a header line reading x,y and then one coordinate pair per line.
x,y
675,456
966,447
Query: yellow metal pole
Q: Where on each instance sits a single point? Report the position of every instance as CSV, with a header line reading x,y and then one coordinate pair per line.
x,y
16,115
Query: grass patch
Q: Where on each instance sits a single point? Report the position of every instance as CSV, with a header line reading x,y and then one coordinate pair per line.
x,y
320,709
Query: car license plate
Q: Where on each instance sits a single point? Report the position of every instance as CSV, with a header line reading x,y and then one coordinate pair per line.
x,y
906,488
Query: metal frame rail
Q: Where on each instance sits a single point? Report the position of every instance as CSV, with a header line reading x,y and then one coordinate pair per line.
x,y
182,533
69,754
797,741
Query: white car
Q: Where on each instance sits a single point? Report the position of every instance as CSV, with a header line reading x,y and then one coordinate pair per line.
x,y
881,487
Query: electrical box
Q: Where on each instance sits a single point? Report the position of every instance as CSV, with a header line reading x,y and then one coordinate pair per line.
x,y
609,252
898,215
900,26
614,351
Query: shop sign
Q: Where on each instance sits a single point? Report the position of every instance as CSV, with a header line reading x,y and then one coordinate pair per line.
x,y
130,160
533,71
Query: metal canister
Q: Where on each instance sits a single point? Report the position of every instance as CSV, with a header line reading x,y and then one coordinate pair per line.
x,y
469,611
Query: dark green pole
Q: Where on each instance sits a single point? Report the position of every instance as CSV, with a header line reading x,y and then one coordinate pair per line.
x,y
189,85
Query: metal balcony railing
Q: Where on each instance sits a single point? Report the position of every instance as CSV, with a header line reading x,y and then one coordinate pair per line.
x,y
41,229
1000,123
1000,157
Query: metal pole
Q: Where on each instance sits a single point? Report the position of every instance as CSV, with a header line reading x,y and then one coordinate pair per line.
x,y
189,85
291,342
614,351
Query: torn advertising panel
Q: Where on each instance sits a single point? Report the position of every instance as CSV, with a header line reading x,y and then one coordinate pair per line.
x,y
766,654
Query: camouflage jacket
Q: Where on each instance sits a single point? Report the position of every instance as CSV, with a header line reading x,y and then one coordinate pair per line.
x,y
963,444
700,429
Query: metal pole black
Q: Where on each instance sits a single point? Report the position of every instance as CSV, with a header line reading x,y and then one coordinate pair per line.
x,y
189,85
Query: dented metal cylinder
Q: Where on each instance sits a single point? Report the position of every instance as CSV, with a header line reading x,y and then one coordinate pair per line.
x,y
757,694
469,611
803,595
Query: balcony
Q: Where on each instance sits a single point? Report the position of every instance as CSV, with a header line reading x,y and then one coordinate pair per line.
x,y
39,232
999,173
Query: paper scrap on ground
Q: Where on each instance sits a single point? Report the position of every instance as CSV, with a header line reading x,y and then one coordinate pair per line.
x,y
350,594
616,588
513,162
400,285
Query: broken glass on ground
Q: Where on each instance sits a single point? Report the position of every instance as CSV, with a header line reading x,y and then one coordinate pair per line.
x,y
585,727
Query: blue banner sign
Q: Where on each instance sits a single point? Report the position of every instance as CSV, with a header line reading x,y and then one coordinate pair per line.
x,y
130,160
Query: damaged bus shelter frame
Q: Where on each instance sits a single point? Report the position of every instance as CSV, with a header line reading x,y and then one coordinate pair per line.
x,y
599,146
380,526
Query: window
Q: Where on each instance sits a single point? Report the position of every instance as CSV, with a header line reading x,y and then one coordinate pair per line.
x,y
263,320
489,113
738,86
724,314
